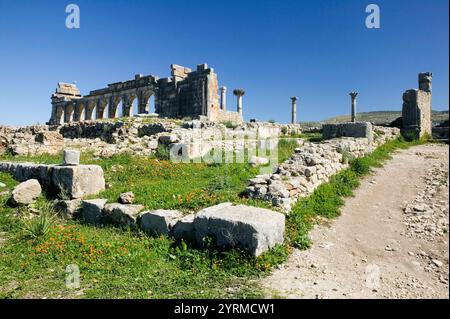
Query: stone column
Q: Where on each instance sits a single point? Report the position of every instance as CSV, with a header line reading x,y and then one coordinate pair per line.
x,y
101,106
223,98
90,105
239,94
127,105
143,105
353,95
294,110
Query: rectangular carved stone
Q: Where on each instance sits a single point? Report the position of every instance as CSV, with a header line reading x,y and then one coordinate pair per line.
x,y
349,129
75,181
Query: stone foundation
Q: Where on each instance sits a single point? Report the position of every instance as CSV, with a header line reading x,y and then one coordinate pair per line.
x,y
74,181
348,129
108,137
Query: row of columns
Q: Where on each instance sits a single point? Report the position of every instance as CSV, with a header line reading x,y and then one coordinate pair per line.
x,y
352,94
239,93
83,109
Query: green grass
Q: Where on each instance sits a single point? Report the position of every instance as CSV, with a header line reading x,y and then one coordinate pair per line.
x,y
116,263
123,264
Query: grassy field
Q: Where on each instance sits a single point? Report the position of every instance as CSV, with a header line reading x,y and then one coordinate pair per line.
x,y
123,264
116,263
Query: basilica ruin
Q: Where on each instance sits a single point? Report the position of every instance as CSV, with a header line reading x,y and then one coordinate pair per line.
x,y
186,94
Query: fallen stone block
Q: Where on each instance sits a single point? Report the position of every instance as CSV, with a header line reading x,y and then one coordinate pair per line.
x,y
68,208
168,139
126,198
122,215
159,222
75,181
26,193
79,181
257,161
184,228
71,157
92,211
253,229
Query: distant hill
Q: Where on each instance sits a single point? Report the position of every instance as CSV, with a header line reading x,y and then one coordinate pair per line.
x,y
382,117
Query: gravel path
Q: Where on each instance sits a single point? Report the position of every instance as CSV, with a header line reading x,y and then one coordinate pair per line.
x,y
391,240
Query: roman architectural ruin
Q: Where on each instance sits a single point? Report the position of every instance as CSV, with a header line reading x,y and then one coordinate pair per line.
x,y
353,96
294,110
186,94
416,110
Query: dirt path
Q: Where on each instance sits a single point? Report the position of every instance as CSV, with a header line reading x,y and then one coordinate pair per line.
x,y
390,242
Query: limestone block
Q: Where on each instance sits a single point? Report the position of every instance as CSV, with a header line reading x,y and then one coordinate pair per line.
x,y
71,157
92,211
257,161
184,228
168,139
122,215
79,181
126,198
348,129
253,229
159,222
68,208
26,193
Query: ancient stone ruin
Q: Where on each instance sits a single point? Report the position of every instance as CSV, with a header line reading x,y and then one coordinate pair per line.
x,y
186,93
416,110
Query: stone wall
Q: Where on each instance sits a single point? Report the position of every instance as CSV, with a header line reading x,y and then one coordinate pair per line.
x,y
75,181
108,137
311,165
348,129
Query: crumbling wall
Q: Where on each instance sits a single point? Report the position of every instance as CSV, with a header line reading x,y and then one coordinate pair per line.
x,y
311,165
416,108
106,138
30,140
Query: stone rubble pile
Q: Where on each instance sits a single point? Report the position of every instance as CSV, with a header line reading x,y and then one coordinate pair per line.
x,y
311,165
134,136
425,217
30,140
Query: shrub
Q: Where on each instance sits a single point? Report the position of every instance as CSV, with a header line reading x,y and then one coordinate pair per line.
x,y
40,225
162,152
230,125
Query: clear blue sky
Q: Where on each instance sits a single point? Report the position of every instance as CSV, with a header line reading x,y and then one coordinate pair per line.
x,y
317,50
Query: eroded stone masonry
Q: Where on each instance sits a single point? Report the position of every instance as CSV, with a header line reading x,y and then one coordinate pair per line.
x,y
416,110
186,93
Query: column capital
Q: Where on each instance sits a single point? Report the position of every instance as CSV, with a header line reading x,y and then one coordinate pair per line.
x,y
238,92
294,98
353,94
